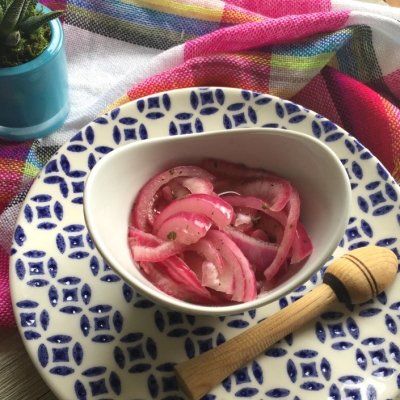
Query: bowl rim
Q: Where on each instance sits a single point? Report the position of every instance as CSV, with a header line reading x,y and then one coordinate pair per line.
x,y
156,295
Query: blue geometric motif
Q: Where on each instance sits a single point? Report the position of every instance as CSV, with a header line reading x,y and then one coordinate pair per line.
x,y
80,320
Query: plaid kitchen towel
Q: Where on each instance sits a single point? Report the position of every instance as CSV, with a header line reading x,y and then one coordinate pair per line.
x,y
338,58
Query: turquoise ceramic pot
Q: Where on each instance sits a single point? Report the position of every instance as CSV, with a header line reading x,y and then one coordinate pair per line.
x,y
34,96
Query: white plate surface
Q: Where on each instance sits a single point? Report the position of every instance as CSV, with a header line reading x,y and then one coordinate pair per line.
x,y
92,337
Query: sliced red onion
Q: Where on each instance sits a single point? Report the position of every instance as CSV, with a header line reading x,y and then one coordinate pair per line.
x,y
210,276
243,219
184,227
259,253
243,275
261,235
210,254
174,277
147,247
138,237
218,210
293,209
302,245
200,240
231,171
143,214
288,217
180,187
205,271
197,185
167,193
271,225
275,192
252,202
156,253
177,190
194,262
273,189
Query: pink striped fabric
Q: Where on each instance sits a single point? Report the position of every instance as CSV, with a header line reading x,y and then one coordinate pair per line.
x,y
332,60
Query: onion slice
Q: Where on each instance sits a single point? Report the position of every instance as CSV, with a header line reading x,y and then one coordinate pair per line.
x,y
302,245
143,214
273,189
289,234
196,185
213,207
243,276
288,218
174,277
147,247
217,234
259,253
275,192
210,254
227,170
256,203
184,227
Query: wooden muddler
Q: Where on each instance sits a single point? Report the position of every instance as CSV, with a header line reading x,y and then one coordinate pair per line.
x,y
352,279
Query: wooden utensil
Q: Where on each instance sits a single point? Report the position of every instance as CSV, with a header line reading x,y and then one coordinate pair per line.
x,y
354,278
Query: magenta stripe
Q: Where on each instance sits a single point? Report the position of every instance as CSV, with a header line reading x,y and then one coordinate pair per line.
x,y
276,9
266,32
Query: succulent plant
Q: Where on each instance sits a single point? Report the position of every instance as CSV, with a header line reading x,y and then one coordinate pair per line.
x,y
16,18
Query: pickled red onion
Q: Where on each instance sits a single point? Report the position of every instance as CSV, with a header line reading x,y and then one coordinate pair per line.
x,y
259,253
215,208
184,227
201,247
274,190
175,278
147,247
243,275
142,214
209,253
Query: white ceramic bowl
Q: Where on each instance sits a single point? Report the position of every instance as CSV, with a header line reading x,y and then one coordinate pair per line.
x,y
306,162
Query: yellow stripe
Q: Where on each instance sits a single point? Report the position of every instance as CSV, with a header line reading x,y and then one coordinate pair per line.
x,y
302,63
184,10
121,101
282,93
31,170
254,57
334,63
233,16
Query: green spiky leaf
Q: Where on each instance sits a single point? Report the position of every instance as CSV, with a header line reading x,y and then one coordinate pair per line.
x,y
3,5
27,4
11,16
12,39
1,14
24,31
31,24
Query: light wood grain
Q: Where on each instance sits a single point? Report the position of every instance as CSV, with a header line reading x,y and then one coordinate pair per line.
x,y
19,379
199,375
354,278
393,3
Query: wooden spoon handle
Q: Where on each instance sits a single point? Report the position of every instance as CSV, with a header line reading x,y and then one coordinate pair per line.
x,y
197,376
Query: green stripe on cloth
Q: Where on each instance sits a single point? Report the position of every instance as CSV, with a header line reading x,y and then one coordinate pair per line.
x,y
322,42
105,25
364,66
353,60
297,62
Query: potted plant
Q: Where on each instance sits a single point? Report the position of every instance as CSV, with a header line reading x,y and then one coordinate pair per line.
x,y
33,70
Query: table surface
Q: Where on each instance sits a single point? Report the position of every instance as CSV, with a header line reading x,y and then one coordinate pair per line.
x,y
19,378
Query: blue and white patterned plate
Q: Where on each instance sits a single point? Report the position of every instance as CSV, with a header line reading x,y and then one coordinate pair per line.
x,y
92,337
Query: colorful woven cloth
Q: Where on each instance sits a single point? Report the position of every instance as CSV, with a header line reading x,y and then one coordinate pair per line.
x,y
340,59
